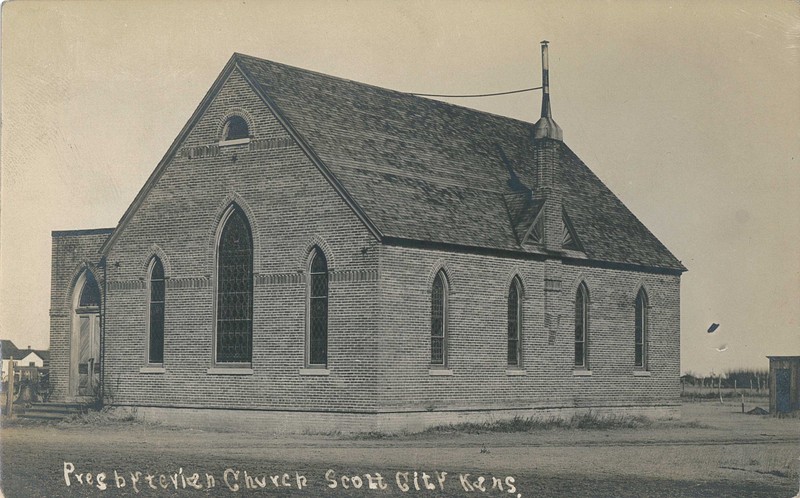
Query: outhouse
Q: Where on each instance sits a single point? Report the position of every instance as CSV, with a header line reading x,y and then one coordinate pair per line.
x,y
784,384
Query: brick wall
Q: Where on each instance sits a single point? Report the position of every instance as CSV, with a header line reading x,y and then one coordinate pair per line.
x,y
379,300
477,330
72,252
290,207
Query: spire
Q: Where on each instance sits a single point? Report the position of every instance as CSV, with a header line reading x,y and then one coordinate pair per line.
x,y
546,127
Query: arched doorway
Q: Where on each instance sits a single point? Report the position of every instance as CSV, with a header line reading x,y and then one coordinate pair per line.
x,y
84,378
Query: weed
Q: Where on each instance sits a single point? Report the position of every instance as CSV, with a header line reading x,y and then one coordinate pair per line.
x,y
586,421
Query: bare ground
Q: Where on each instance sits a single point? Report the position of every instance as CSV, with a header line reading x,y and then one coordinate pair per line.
x,y
714,450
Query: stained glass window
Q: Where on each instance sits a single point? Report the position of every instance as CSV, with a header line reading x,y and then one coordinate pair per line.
x,y
235,291
90,294
235,128
438,320
318,310
581,325
640,330
157,291
514,323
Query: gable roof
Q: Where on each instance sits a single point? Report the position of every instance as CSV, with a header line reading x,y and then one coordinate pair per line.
x,y
418,169
430,171
24,353
8,349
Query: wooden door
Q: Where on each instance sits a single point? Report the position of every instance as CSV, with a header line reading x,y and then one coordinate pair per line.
x,y
88,354
783,380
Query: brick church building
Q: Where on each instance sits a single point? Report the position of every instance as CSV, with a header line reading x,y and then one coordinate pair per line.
x,y
317,253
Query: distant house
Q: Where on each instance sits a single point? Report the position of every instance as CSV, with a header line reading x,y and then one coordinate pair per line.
x,y
8,350
313,252
23,357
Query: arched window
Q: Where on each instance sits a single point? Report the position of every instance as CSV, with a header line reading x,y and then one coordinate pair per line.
x,y
235,128
439,320
582,326
155,349
640,331
318,310
514,323
235,290
90,294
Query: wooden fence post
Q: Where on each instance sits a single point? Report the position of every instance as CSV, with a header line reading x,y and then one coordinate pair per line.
x,y
10,388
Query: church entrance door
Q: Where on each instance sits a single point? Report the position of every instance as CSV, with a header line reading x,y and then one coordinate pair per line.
x,y
85,340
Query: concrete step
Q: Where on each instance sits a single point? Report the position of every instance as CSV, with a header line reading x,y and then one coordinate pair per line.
x,y
43,415
49,411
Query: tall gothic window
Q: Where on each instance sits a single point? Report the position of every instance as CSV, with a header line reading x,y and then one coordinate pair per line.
x,y
581,326
235,291
155,352
514,323
439,320
640,331
318,310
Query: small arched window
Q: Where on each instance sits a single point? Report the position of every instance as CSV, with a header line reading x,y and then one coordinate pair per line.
x,y
155,349
439,320
90,294
640,331
514,323
582,326
235,128
318,310
235,290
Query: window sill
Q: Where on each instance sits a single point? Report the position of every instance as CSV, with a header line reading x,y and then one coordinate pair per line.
x,y
315,372
515,372
641,373
238,141
229,371
581,373
152,370
440,372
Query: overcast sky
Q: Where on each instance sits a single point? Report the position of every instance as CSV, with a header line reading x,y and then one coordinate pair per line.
x,y
688,111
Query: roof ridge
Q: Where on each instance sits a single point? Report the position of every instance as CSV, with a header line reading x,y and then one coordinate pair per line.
x,y
384,89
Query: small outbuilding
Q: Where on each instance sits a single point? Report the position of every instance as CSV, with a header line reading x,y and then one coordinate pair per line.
x,y
784,384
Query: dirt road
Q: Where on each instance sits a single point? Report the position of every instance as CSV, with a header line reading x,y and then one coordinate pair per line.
x,y
712,451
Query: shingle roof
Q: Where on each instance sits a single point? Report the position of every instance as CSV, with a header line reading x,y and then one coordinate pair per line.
x,y
425,170
8,349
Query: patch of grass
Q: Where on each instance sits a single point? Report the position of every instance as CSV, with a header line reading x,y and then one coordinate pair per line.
x,y
688,424
317,432
583,421
592,421
104,417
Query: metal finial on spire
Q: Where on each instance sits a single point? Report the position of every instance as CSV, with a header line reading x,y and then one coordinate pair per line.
x,y
546,112
546,127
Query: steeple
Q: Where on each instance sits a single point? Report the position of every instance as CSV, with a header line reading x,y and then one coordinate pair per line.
x,y
546,127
